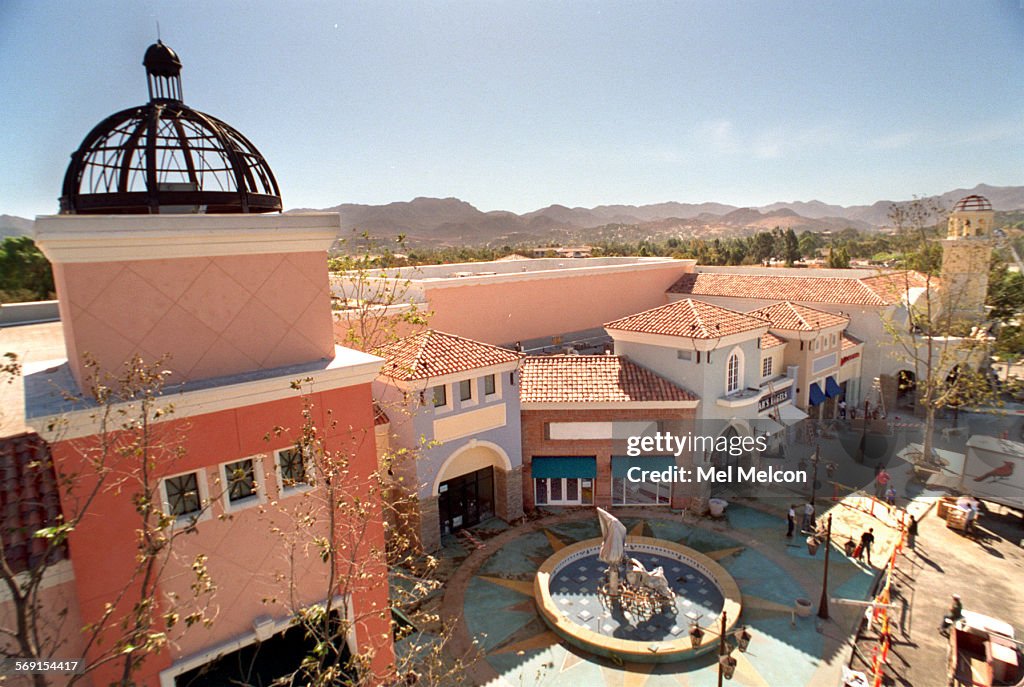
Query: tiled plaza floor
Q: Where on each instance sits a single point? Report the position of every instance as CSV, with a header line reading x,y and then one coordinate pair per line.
x,y
491,596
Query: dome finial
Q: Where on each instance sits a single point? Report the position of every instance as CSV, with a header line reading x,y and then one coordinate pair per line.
x,y
163,71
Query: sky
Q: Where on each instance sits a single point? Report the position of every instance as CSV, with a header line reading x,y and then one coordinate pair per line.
x,y
522,104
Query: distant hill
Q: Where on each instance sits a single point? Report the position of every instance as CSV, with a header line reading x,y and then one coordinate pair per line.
x,y
454,222
450,221
15,226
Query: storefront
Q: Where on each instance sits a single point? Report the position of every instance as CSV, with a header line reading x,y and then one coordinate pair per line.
x,y
626,492
466,500
563,480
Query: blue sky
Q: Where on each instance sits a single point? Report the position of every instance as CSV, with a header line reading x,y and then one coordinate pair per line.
x,y
518,105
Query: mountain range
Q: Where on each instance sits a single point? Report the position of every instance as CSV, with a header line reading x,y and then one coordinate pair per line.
x,y
450,221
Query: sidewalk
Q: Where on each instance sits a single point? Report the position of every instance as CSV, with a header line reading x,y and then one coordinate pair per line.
x,y
986,573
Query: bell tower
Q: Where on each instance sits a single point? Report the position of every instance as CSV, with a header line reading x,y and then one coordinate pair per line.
x,y
966,254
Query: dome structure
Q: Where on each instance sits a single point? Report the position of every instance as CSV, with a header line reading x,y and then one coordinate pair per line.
x,y
973,203
165,157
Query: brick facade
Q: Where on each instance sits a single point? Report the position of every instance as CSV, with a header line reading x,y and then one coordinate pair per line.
x,y
536,443
508,493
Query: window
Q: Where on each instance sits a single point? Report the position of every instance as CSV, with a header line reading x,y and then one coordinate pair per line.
x,y
240,478
563,491
182,495
684,355
627,493
466,390
732,374
489,385
293,469
440,396
766,367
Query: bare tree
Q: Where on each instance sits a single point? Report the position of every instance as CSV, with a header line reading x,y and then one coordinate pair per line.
x,y
124,458
946,355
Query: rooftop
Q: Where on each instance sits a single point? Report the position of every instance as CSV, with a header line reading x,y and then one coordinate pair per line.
x,y
689,318
593,379
29,499
796,317
859,287
769,340
850,342
431,353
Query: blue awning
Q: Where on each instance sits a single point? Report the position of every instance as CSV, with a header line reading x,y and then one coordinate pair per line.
x,y
817,395
832,388
553,467
622,464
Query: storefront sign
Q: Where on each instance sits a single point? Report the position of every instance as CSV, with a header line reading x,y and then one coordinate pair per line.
x,y
773,399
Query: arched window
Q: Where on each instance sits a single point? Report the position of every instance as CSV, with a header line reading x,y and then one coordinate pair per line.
x,y
732,373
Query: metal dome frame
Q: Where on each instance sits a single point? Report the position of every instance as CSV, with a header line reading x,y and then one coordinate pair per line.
x,y
165,157
973,203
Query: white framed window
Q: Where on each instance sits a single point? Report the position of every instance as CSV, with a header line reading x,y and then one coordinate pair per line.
x,y
563,491
734,371
465,390
241,485
185,497
294,470
439,396
834,336
766,367
490,385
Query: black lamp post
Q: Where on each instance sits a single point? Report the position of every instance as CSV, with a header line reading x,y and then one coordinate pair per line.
x,y
823,604
721,651
864,432
814,477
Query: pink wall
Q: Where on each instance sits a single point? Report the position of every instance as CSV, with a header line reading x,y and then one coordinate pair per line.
x,y
214,315
246,558
542,306
55,626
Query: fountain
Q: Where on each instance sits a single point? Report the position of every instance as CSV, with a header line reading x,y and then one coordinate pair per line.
x,y
634,598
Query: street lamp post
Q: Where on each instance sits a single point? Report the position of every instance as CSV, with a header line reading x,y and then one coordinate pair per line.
x,y
814,477
823,604
721,649
864,432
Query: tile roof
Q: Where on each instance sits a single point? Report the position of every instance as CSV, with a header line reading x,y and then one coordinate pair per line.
x,y
796,317
891,287
849,342
29,499
876,291
431,353
689,318
769,340
379,416
593,379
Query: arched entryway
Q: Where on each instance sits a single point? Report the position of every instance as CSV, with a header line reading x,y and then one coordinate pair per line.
x,y
465,485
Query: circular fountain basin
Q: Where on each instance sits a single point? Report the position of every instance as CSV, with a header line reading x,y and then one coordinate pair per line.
x,y
569,593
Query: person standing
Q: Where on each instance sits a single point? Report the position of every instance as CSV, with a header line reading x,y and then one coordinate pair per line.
x,y
911,532
842,409
790,520
881,482
808,522
866,540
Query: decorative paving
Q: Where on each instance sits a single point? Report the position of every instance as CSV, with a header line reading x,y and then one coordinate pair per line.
x,y
494,592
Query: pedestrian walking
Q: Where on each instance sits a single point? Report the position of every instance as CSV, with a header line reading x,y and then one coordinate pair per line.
x,y
866,540
890,495
842,409
807,525
911,532
790,520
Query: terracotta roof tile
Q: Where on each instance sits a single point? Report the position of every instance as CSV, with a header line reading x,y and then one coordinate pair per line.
x,y
769,340
379,416
689,318
796,317
593,379
849,342
771,287
431,353
29,499
891,287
